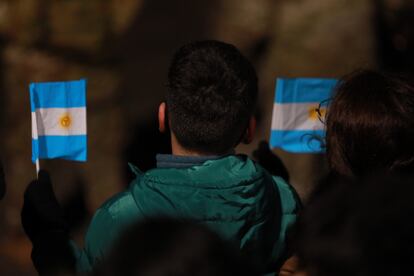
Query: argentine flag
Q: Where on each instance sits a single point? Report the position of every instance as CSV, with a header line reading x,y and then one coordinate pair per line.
x,y
58,120
296,126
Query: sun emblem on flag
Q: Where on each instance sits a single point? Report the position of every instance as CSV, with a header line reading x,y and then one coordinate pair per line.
x,y
316,113
65,121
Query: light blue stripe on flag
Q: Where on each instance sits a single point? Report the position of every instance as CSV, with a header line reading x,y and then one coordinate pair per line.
x,y
303,90
58,94
71,147
296,126
35,150
298,141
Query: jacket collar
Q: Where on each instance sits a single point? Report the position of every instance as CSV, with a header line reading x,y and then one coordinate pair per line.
x,y
168,161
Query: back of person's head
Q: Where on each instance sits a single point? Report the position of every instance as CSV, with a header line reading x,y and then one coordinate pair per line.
x,y
360,227
165,247
370,124
212,95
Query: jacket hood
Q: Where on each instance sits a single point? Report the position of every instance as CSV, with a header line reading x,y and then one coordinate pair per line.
x,y
232,195
234,182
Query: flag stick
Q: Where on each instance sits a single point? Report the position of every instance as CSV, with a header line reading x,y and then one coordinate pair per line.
x,y
37,166
35,136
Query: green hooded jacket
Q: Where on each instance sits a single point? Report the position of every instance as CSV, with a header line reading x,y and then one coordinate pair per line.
x,y
232,195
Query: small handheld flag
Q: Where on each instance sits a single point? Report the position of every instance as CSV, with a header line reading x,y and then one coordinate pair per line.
x,y
58,120
299,102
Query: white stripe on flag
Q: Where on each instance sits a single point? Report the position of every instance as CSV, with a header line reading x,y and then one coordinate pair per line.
x,y
296,116
34,126
60,121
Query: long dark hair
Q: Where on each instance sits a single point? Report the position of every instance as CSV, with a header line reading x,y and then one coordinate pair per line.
x,y
370,124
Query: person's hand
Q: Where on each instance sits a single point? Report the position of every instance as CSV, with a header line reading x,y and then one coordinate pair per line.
x,y
270,161
290,267
44,223
41,211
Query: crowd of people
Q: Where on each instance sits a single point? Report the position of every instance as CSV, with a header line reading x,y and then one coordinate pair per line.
x,y
205,210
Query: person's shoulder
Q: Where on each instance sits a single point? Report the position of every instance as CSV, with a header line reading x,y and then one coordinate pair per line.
x,y
284,188
120,206
289,197
108,221
290,200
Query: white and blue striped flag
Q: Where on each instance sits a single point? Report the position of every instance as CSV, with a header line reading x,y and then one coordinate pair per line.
x,y
296,126
58,120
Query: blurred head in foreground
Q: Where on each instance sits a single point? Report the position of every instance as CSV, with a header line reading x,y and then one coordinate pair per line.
x,y
370,125
362,227
163,247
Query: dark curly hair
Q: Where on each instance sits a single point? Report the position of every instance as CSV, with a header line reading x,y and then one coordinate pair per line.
x,y
212,95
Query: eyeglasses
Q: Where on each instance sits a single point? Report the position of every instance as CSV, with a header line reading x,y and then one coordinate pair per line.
x,y
322,110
